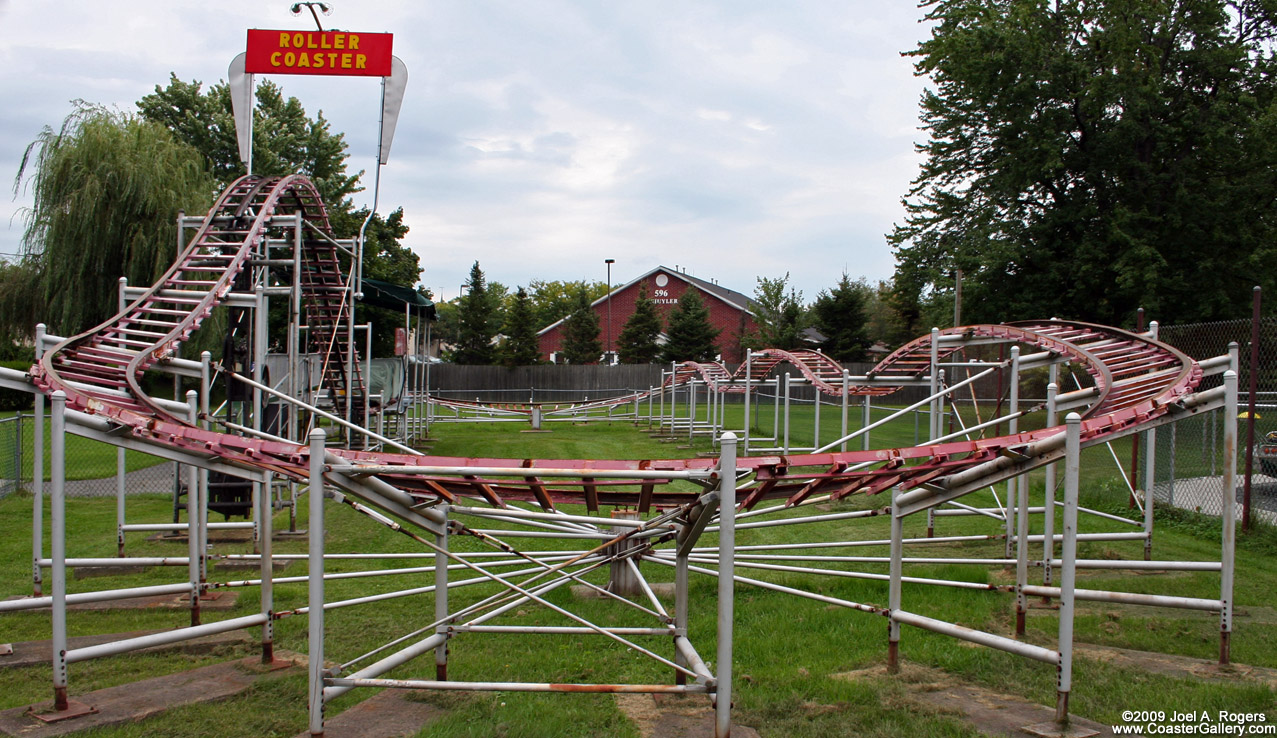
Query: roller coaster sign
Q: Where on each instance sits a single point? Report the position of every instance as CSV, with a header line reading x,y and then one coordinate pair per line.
x,y
318,52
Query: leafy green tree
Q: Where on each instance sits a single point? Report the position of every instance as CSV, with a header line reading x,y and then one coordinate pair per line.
x,y
690,337
637,343
581,343
285,141
521,347
477,321
840,315
554,300
106,189
780,316
1086,159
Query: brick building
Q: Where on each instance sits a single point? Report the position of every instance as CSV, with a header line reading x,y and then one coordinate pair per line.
x,y
729,311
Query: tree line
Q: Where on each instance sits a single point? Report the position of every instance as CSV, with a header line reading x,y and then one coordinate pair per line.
x,y
1086,159
489,324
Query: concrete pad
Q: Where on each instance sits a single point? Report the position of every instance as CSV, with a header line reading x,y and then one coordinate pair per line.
x,y
674,716
243,565
221,535
991,713
389,714
29,653
128,703
1181,667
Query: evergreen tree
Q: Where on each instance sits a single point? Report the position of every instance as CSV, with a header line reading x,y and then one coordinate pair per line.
x,y
581,343
1086,159
637,343
107,187
690,336
840,315
477,320
521,347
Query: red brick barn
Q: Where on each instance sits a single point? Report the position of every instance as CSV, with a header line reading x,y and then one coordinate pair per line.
x,y
729,311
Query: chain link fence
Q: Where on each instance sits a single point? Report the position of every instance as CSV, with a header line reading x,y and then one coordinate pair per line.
x,y
1189,458
90,465
11,467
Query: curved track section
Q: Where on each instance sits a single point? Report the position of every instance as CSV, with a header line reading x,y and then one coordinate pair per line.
x,y
1136,381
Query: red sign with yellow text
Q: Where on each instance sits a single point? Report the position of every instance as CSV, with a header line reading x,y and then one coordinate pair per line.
x,y
318,52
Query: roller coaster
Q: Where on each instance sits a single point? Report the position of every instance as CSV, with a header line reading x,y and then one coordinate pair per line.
x,y
95,381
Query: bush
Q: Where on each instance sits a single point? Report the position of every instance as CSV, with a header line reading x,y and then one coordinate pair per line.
x,y
15,400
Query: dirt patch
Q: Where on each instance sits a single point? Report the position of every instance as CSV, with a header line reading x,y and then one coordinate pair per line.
x,y
992,713
674,716
392,713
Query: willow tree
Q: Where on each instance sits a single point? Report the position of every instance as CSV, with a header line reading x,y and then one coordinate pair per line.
x,y
107,187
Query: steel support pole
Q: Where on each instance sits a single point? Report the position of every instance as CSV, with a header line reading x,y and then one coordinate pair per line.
x,y
367,394
776,412
893,586
1048,503
1012,406
1068,568
726,584
206,359
441,594
691,410
260,309
120,466
37,477
1135,446
749,390
846,399
194,553
865,422
295,385
933,413
785,444
815,434
1020,485
265,514
57,542
673,396
315,536
1228,515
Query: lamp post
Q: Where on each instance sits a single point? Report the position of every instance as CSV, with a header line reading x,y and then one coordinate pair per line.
x,y
607,351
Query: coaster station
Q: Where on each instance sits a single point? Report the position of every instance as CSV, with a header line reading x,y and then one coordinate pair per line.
x,y
94,385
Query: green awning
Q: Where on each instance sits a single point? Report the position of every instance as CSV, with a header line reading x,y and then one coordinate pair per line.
x,y
397,297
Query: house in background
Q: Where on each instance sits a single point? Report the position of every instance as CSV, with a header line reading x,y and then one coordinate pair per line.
x,y
729,311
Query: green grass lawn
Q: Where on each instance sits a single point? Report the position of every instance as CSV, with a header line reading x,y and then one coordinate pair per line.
x,y
786,648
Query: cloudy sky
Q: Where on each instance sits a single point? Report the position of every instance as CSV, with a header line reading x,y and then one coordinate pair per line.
x,y
733,138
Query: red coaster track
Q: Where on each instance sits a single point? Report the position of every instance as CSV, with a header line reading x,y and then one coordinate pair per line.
x,y
1137,381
